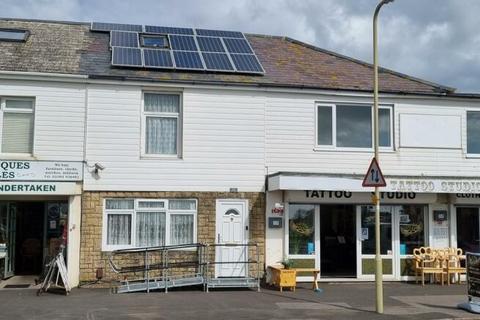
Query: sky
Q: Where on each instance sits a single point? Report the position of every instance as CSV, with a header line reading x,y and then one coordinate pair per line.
x,y
436,40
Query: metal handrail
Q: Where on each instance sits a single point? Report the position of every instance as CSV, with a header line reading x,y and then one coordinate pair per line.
x,y
202,263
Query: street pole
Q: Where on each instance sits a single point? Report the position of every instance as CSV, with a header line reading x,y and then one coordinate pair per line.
x,y
378,258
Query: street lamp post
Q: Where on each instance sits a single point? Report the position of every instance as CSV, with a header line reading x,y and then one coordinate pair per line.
x,y
378,258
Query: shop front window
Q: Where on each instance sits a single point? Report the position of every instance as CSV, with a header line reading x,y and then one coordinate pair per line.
x,y
368,230
412,228
301,234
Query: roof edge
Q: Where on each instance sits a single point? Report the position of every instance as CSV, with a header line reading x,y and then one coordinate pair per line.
x,y
381,69
47,21
287,86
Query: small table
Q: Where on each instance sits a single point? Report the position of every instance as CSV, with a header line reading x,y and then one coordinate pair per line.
x,y
315,273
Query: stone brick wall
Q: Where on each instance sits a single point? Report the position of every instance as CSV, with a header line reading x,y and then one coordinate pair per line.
x,y
92,257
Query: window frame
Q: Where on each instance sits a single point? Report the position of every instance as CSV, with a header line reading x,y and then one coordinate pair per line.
x,y
179,116
133,213
26,34
333,146
469,155
4,109
146,35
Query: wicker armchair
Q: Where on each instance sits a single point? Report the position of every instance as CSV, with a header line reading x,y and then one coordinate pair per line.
x,y
453,264
428,261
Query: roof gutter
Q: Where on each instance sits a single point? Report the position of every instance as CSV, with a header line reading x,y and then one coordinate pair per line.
x,y
281,86
20,75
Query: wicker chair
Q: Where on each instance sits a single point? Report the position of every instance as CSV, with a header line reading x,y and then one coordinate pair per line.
x,y
428,261
453,264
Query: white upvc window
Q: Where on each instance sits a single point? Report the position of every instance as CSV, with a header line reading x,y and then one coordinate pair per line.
x,y
17,119
350,127
141,223
162,125
473,134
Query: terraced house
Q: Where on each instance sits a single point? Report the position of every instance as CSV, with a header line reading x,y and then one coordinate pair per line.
x,y
119,136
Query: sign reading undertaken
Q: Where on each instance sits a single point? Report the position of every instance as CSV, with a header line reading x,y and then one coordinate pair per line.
x,y
14,170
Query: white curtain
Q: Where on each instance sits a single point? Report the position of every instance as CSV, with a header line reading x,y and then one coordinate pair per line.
x,y
162,102
161,135
181,228
150,229
17,135
119,226
182,204
119,204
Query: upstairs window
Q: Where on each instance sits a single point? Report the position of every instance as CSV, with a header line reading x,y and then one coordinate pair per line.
x,y
162,125
13,35
351,126
473,133
17,119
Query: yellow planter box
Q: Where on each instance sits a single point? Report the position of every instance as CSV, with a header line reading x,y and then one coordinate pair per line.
x,y
281,277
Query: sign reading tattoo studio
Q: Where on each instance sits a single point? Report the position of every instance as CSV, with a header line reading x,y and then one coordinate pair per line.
x,y
14,170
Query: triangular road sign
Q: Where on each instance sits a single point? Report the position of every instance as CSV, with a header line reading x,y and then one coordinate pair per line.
x,y
374,176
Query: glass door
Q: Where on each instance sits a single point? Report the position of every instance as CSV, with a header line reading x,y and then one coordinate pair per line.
x,y
366,236
7,238
468,229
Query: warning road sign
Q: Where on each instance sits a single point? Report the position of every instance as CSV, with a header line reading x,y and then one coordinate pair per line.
x,y
374,176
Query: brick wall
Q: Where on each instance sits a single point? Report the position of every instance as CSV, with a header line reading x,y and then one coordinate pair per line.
x,y
92,257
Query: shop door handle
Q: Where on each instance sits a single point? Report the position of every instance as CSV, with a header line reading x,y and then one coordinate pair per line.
x,y
218,238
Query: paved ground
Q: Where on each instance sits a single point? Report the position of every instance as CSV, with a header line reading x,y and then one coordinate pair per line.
x,y
337,301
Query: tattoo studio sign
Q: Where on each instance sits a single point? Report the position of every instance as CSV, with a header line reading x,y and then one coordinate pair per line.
x,y
13,170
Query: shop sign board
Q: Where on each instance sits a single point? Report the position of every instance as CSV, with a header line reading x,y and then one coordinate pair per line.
x,y
473,274
20,170
464,187
39,188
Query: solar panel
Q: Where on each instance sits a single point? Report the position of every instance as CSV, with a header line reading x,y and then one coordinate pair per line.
x,y
123,39
246,63
130,57
217,61
210,44
237,45
188,60
157,58
107,27
186,43
219,33
168,30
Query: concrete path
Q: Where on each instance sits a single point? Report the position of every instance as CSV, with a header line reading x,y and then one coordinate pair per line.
x,y
337,301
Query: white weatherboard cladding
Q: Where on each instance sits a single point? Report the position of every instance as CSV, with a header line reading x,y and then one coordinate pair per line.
x,y
59,117
430,130
290,139
223,142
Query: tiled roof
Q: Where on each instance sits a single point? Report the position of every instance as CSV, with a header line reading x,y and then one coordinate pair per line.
x,y
70,48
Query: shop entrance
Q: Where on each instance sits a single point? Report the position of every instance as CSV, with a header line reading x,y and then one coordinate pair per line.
x,y
31,232
338,250
468,229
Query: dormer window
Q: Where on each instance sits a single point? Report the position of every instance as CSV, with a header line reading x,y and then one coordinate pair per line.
x,y
154,41
13,35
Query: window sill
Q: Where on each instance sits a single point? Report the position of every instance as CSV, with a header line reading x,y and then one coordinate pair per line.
x,y
160,157
473,156
17,156
359,150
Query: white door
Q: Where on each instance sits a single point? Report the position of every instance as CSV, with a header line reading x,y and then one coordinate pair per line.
x,y
232,230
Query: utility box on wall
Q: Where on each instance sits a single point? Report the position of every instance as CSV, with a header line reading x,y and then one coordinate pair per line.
x,y
275,222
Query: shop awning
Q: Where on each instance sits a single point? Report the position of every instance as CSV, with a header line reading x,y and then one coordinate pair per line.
x,y
353,183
